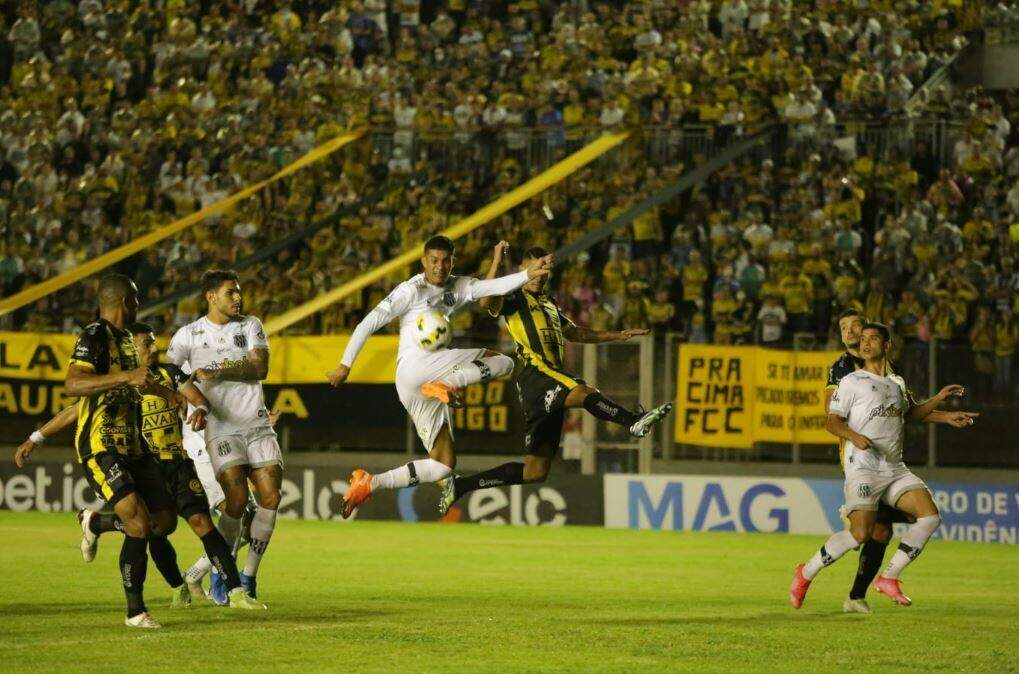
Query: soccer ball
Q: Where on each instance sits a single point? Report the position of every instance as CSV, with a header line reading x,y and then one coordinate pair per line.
x,y
433,330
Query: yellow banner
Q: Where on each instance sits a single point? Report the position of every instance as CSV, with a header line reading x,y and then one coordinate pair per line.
x,y
534,186
292,360
97,264
734,396
788,396
713,388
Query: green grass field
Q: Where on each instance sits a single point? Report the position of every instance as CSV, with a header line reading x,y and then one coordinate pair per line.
x,y
429,597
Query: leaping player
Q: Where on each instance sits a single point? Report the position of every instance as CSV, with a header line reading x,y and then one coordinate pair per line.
x,y
540,329
428,381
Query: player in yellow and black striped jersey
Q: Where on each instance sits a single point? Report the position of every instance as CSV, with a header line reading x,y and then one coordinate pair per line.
x,y
162,439
540,330
107,377
872,552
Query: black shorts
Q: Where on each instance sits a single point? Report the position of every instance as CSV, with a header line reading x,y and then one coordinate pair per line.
x,y
543,399
184,487
886,514
113,476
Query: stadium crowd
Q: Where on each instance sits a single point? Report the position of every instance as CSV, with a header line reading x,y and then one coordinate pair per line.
x,y
122,118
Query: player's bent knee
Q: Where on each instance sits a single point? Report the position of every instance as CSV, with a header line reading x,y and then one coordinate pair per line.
x,y
882,533
270,500
201,524
861,534
164,523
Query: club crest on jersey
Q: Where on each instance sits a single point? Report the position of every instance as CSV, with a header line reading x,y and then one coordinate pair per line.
x,y
448,299
550,396
241,341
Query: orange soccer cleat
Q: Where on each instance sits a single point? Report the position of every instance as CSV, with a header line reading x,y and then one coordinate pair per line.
x,y
890,587
445,393
798,590
360,490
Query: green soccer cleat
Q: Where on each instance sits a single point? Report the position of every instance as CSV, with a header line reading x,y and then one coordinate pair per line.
x,y
181,597
449,495
241,599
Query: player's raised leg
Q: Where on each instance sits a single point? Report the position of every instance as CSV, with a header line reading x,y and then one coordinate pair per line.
x,y
917,502
860,524
449,388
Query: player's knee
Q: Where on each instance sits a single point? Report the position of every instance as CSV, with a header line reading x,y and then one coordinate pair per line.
x,y
500,365
860,532
270,499
200,523
164,523
882,533
536,474
235,504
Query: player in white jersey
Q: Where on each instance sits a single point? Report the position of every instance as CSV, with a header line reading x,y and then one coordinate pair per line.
x,y
869,410
228,355
427,381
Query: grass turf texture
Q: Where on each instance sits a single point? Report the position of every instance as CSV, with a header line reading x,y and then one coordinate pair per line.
x,y
428,597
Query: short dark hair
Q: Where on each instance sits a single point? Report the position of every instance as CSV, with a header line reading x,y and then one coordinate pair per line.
x,y
140,328
848,313
113,288
534,253
886,334
439,243
214,278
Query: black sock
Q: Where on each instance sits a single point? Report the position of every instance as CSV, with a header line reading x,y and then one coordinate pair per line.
x,y
133,562
102,523
507,473
219,554
165,559
609,410
872,554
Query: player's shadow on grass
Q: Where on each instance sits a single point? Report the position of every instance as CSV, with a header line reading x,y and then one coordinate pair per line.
x,y
654,621
54,608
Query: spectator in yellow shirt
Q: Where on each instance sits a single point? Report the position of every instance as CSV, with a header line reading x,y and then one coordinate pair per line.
x,y
798,293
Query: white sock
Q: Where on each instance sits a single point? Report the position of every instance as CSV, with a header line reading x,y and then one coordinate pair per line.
x,y
261,531
479,370
415,472
836,546
912,544
198,570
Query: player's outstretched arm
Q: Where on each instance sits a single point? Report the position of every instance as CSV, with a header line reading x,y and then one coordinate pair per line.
x,y
396,304
582,335
956,419
478,288
921,411
493,303
62,420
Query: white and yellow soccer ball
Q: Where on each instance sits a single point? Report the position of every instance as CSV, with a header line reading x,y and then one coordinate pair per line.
x,y
433,330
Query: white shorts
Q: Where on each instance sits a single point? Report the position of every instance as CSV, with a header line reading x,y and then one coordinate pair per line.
x,y
213,490
255,448
429,414
865,489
